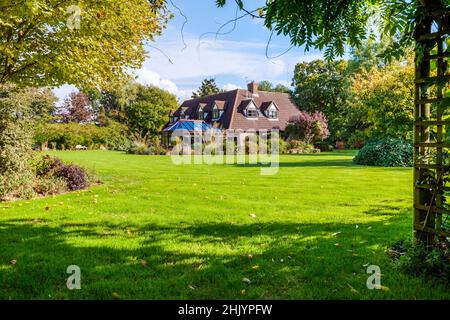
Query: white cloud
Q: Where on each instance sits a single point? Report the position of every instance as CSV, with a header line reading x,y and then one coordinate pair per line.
x,y
230,86
209,58
146,76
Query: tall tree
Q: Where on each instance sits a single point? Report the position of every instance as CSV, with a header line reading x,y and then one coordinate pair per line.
x,y
207,88
383,100
323,86
148,109
77,108
268,86
91,44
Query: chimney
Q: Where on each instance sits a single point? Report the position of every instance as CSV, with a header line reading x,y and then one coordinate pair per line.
x,y
253,88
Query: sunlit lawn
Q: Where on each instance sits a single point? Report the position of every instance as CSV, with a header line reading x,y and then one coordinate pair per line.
x,y
154,230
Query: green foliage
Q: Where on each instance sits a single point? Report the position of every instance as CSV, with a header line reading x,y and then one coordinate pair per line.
x,y
208,87
416,259
68,135
386,153
15,142
322,86
42,37
382,102
300,146
268,86
332,25
147,110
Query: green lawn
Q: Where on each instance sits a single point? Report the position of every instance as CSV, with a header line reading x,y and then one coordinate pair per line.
x,y
154,230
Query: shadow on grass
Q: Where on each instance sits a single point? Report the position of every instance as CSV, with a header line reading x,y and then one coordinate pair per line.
x,y
197,260
310,163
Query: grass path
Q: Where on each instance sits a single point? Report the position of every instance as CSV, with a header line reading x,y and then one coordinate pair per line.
x,y
154,230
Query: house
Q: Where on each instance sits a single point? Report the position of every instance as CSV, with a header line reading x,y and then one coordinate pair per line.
x,y
239,110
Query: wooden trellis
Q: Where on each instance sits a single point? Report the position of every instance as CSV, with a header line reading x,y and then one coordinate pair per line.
x,y
432,127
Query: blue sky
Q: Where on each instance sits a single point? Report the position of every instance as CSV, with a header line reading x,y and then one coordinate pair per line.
x,y
233,59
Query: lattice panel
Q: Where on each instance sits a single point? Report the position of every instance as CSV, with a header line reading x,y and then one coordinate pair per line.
x,y
432,129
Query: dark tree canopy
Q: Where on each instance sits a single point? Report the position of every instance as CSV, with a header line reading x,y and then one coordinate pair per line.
x,y
333,25
207,88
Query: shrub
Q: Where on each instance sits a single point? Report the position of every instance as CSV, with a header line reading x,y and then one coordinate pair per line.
x,y
416,259
67,135
308,127
323,146
16,172
75,177
49,186
386,153
299,146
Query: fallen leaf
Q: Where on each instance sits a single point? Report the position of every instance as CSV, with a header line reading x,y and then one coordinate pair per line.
x,y
243,292
192,287
352,289
337,244
355,254
143,263
253,215
255,267
335,234
380,287
250,256
357,226
116,295
246,280
13,261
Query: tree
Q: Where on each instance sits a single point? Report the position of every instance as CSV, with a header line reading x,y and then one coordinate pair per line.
x,y
91,45
323,86
383,99
77,108
269,87
207,88
148,110
265,86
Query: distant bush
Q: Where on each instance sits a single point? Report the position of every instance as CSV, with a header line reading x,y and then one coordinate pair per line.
x,y
386,153
140,148
68,135
299,146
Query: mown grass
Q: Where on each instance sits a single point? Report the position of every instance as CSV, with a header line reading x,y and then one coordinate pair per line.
x,y
154,230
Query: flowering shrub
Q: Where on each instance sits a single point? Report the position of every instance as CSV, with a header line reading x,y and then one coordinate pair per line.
x,y
308,127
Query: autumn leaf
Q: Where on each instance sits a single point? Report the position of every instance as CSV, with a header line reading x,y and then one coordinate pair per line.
x,y
352,289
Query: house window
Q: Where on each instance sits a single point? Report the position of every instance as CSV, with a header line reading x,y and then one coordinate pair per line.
x,y
273,114
201,115
171,119
216,113
252,113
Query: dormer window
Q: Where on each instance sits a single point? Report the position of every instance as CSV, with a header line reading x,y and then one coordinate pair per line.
x,y
251,111
273,114
171,119
271,111
201,115
215,114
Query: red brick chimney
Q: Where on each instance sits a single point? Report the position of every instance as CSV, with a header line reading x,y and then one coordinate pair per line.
x,y
253,87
